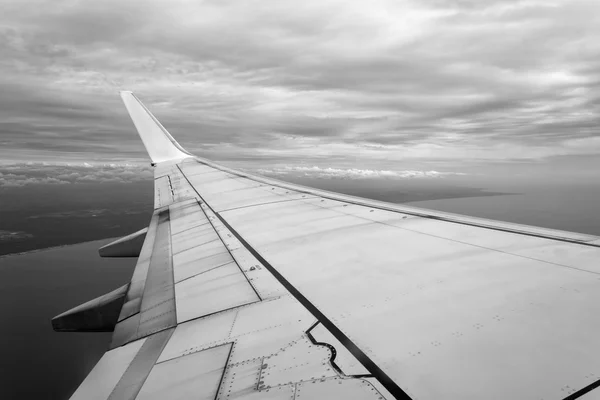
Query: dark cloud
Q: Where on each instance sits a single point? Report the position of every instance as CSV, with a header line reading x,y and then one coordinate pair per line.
x,y
287,81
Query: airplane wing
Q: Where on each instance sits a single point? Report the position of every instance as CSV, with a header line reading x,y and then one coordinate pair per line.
x,y
251,288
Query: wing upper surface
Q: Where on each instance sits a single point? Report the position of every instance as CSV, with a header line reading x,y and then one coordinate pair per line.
x,y
255,285
447,308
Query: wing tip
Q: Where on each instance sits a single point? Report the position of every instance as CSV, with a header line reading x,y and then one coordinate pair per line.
x,y
159,143
126,93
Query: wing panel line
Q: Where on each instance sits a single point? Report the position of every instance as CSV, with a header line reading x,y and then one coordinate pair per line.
x,y
135,375
226,247
583,391
369,364
265,203
217,232
460,241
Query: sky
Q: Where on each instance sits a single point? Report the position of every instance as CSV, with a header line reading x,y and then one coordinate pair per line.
x,y
410,89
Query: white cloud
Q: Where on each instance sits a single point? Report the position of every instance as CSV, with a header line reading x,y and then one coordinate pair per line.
x,y
23,174
352,173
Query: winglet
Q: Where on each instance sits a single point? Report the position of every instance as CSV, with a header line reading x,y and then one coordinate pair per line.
x,y
158,141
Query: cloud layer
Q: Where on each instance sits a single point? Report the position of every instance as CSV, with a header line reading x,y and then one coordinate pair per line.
x,y
351,173
413,84
22,174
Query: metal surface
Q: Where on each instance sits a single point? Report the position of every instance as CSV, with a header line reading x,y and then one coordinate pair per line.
x,y
163,193
125,331
150,303
196,168
281,222
181,245
138,280
157,310
252,196
342,358
262,280
181,188
195,376
186,215
551,251
128,321
200,265
199,335
591,395
254,333
97,315
381,389
191,233
298,362
211,248
127,246
452,297
277,312
130,308
220,182
253,339
215,290
337,388
266,328
103,378
241,381
374,369
134,377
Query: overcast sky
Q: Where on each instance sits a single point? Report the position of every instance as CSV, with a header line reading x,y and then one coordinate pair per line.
x,y
457,86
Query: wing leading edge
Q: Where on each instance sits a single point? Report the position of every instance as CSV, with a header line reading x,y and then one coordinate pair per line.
x,y
247,287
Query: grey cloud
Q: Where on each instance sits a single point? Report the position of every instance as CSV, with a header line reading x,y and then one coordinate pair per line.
x,y
469,79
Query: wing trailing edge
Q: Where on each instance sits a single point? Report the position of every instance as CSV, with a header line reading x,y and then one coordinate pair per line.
x,y
159,143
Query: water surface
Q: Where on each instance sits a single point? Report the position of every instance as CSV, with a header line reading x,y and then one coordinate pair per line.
x,y
36,362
